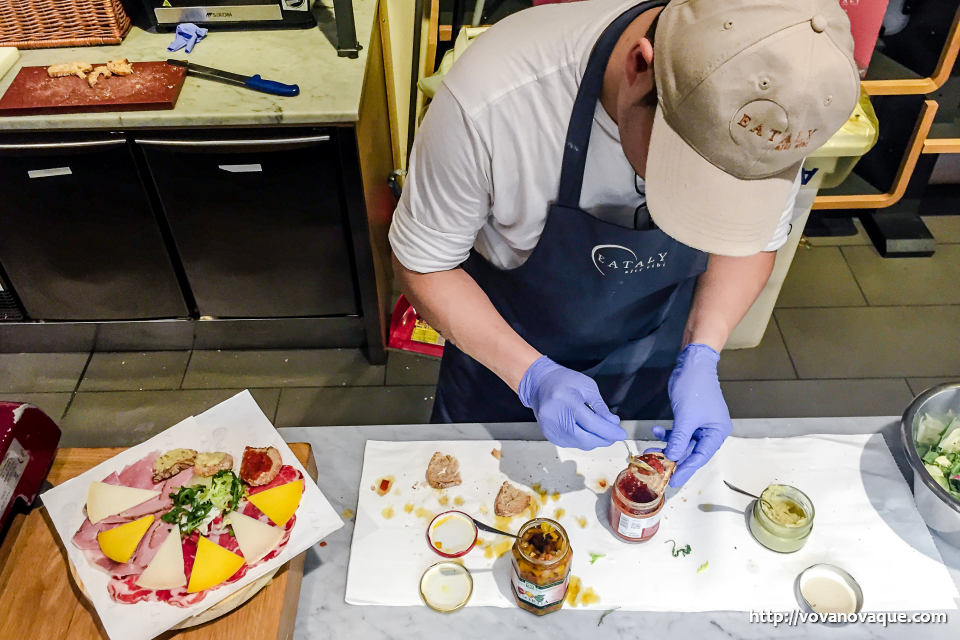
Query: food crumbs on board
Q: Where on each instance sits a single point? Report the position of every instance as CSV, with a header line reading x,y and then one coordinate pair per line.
x,y
703,567
323,543
484,510
605,614
582,521
573,590
577,594
533,509
444,500
602,484
555,496
559,513
396,491
502,547
458,501
596,556
347,513
424,513
408,507
707,506
538,488
387,512
496,453
383,485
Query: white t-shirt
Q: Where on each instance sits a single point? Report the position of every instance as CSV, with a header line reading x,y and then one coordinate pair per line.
x,y
486,162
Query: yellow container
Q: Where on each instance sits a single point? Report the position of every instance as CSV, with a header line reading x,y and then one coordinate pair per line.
x,y
836,159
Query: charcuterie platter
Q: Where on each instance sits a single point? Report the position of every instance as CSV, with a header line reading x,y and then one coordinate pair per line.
x,y
201,513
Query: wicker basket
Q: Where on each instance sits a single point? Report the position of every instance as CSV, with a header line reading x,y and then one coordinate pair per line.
x,y
36,24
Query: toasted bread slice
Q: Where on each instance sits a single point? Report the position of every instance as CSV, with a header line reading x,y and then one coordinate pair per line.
x,y
443,471
120,67
207,464
259,466
98,72
171,463
79,69
510,501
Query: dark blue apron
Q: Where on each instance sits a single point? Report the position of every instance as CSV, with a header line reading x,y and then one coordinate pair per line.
x,y
596,297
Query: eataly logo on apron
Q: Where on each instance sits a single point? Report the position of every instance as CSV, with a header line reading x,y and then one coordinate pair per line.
x,y
615,258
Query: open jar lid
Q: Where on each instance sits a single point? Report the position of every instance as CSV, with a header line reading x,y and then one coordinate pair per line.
x,y
446,586
825,588
452,534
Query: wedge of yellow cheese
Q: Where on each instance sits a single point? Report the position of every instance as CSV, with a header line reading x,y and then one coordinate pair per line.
x,y
213,565
105,500
280,503
119,543
256,539
165,571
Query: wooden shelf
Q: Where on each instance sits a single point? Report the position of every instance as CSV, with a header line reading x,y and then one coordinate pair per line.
x,y
886,77
944,137
870,198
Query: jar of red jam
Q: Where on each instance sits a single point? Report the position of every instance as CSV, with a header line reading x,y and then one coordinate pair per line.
x,y
634,507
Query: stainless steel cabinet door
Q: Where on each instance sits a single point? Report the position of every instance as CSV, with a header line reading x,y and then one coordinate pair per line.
x,y
258,224
78,237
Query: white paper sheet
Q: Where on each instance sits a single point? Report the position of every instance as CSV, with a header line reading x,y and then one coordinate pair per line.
x,y
865,522
229,426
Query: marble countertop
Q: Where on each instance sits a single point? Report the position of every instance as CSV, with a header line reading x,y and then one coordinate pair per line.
x,y
330,86
339,454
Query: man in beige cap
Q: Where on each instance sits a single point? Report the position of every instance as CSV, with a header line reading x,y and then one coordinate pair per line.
x,y
571,179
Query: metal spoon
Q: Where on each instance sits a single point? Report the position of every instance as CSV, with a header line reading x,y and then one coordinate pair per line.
x,y
747,493
488,528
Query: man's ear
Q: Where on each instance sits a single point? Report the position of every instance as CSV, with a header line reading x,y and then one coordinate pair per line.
x,y
639,60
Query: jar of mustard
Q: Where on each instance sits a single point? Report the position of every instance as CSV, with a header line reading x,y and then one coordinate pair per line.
x,y
541,566
782,518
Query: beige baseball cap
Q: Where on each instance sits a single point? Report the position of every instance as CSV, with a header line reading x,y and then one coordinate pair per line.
x,y
746,89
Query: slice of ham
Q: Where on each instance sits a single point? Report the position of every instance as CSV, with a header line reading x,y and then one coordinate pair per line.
x,y
139,474
150,544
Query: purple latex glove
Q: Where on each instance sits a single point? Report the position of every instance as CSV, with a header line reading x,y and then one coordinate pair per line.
x,y
187,35
701,421
559,399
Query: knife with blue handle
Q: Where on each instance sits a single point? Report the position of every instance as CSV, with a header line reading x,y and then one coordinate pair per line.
x,y
250,82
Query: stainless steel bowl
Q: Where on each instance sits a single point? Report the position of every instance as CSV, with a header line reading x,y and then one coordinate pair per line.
x,y
937,507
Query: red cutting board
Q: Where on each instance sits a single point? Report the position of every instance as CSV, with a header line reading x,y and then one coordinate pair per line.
x,y
152,85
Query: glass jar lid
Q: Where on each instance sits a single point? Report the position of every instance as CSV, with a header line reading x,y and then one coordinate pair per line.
x,y
446,586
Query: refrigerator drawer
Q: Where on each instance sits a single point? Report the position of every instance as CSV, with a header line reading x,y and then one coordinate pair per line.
x,y
80,240
258,224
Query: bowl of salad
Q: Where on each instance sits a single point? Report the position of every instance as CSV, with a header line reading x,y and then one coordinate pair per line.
x,y
930,432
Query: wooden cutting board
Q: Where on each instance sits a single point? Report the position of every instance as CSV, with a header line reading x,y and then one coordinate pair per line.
x,y
39,600
152,85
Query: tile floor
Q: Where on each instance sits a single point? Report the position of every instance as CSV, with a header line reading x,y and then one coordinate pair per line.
x,y
853,334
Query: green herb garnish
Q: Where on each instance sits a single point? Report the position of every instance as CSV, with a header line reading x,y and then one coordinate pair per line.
x,y
596,556
703,567
605,614
678,551
192,505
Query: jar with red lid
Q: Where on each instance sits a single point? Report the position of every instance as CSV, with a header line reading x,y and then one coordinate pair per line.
x,y
634,507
